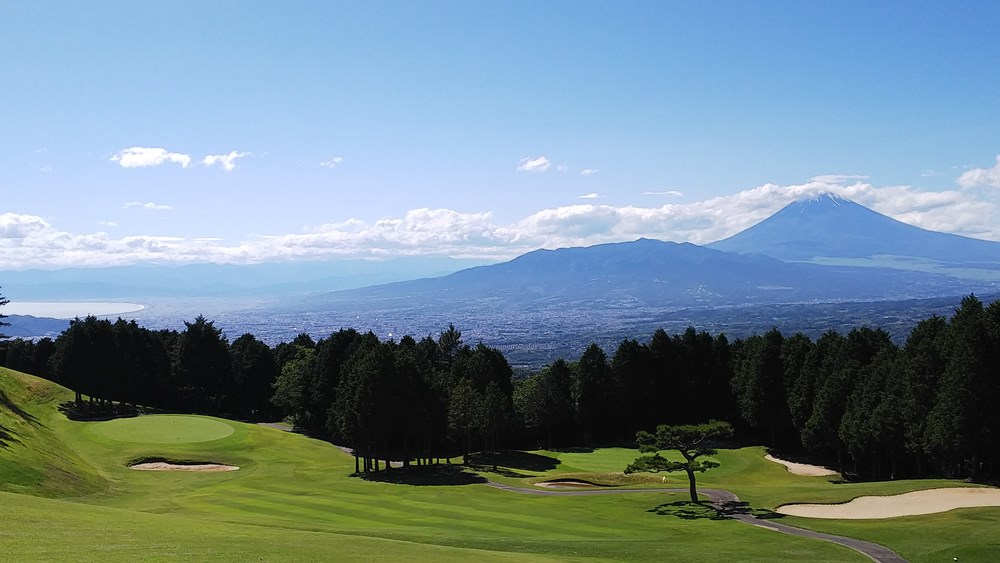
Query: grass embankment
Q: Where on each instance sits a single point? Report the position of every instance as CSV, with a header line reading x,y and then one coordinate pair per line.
x,y
34,457
293,499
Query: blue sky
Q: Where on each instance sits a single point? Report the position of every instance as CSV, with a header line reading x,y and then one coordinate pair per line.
x,y
252,131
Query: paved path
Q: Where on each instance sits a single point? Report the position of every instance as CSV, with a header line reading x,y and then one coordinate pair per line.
x,y
276,425
731,507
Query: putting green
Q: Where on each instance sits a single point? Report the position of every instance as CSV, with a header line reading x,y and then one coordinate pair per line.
x,y
163,429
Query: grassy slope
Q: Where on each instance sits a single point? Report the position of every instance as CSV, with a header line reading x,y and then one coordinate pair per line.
x,y
293,499
34,458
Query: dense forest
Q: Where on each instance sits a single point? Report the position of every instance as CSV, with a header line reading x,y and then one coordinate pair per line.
x,y
859,402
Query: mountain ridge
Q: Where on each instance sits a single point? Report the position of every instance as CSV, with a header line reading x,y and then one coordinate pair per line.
x,y
647,273
830,226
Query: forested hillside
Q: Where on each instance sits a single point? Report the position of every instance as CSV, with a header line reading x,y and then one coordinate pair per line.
x,y
870,407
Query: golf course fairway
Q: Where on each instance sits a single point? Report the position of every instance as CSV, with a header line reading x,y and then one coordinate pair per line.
x,y
67,494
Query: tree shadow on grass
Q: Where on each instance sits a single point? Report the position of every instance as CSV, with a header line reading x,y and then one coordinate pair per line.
x,y
502,471
7,437
732,508
425,475
688,510
9,405
512,460
574,450
98,411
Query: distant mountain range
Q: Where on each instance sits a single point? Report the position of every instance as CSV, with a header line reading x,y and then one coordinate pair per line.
x,y
27,326
214,280
762,265
647,273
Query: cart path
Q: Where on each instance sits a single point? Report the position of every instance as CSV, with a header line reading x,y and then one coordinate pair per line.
x,y
730,506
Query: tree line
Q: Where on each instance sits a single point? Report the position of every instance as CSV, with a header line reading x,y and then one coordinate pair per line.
x,y
875,409
859,402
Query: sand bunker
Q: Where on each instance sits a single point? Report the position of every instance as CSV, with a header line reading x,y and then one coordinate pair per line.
x,y
166,466
568,484
908,504
802,468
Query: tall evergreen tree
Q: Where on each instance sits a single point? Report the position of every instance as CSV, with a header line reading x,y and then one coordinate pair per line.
x,y
799,378
293,389
957,425
632,400
543,404
254,374
872,425
758,384
202,366
591,392
924,357
832,386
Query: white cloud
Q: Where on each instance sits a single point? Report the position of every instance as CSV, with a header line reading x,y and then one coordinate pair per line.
x,y
589,171
669,193
30,241
226,161
988,177
837,178
150,206
537,164
332,163
591,195
107,223
137,157
14,226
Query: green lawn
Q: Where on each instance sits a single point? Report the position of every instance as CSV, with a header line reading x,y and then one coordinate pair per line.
x,y
294,499
163,429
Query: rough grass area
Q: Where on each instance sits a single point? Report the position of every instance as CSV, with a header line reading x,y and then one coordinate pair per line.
x,y
34,456
295,499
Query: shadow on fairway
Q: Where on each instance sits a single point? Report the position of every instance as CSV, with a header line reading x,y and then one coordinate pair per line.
x,y
576,450
98,411
9,405
512,460
428,475
501,471
729,508
7,437
688,510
